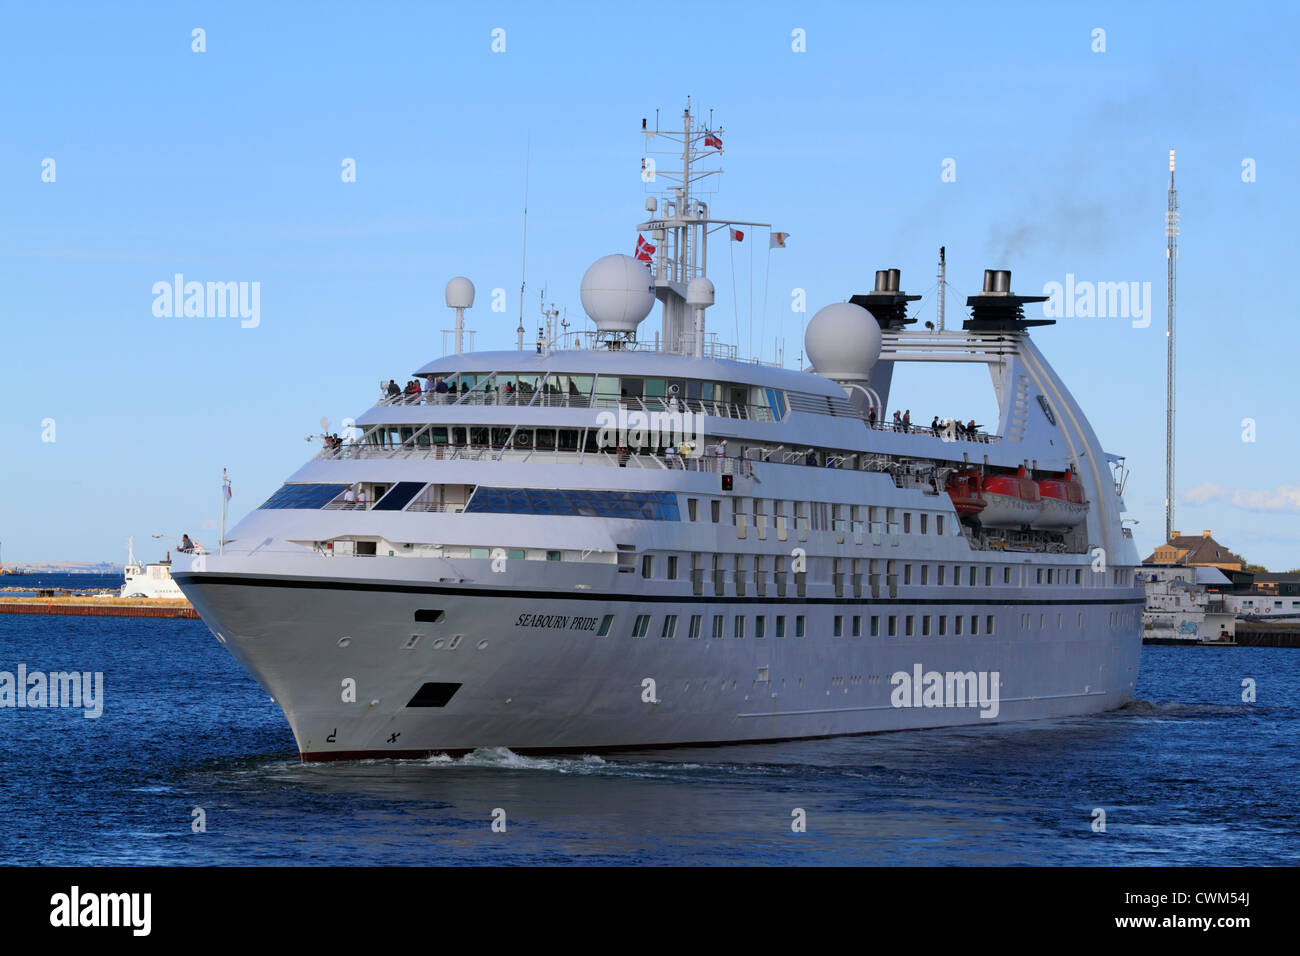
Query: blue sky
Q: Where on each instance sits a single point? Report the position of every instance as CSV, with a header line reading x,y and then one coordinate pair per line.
x,y
225,166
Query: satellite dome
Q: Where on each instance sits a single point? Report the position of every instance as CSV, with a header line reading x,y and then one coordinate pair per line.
x,y
460,293
699,292
617,292
843,341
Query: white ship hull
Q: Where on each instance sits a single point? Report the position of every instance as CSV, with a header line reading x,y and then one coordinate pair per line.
x,y
552,683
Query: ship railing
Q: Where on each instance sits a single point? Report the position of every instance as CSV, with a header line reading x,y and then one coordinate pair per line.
x,y
541,398
984,438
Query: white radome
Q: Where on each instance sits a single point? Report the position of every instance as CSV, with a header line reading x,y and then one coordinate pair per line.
x,y
699,292
617,292
843,341
460,293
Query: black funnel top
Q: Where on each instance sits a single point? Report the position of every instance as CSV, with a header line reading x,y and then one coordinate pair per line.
x,y
886,303
997,309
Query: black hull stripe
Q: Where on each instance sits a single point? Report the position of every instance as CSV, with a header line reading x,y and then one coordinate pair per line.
x,y
324,584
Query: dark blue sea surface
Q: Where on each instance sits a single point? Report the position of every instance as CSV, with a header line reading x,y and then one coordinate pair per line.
x,y
20,585
1187,774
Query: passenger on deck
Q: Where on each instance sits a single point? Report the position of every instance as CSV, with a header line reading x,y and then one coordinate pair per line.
x,y
971,430
441,387
361,498
907,420
349,499
898,420
934,426
464,386
810,458
392,388
871,416
186,544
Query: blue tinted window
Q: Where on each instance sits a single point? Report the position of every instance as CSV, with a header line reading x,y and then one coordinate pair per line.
x,y
641,505
304,496
399,496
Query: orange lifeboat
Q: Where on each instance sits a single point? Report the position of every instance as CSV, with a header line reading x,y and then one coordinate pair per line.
x,y
1064,504
963,488
1012,501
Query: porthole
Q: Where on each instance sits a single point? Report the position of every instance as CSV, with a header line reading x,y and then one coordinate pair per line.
x,y
344,641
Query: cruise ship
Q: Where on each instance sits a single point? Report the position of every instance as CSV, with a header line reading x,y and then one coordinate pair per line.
x,y
628,537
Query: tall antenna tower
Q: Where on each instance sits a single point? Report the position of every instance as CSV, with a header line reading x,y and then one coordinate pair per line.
x,y
1171,252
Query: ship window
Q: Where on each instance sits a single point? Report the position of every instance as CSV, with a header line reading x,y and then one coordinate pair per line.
x,y
433,695
857,625
938,524
717,625
692,509
399,496
715,509
799,625
670,626
943,625
925,625
642,505
672,567
641,625
893,625
939,570
312,496
839,625
970,577
554,555
739,630
907,522
925,574
780,625
907,574
1040,575
1077,575
875,625
907,630
988,577
956,624
974,624
605,622
696,621
1006,575
760,626
988,624
428,616
647,566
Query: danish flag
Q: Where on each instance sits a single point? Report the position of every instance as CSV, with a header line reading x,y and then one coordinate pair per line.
x,y
712,139
644,250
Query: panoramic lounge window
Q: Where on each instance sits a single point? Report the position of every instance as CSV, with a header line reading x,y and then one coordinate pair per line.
x,y
398,497
304,496
642,505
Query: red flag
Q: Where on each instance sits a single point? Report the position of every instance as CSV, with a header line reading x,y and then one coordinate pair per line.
x,y
737,235
643,249
713,140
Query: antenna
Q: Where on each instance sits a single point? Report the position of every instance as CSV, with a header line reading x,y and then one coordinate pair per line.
x,y
943,281
523,264
1171,252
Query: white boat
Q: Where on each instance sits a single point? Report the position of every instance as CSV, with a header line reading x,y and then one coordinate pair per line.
x,y
148,580
613,539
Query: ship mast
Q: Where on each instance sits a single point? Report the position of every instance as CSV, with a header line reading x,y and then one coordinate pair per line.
x,y
680,235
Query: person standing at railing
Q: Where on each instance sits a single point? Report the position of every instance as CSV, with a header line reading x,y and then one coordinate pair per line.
x,y
361,498
907,421
393,390
441,387
898,420
871,417
349,499
934,426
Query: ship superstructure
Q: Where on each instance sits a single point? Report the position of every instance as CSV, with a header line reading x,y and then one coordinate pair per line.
x,y
611,540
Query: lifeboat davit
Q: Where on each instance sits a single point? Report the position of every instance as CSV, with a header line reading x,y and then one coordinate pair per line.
x,y
963,488
1064,505
1011,501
